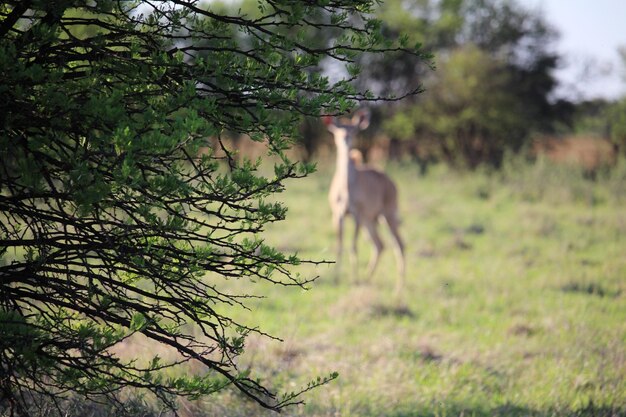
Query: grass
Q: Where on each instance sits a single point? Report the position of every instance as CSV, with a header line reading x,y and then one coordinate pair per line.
x,y
514,303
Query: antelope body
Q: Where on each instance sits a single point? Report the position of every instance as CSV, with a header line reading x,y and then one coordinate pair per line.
x,y
365,193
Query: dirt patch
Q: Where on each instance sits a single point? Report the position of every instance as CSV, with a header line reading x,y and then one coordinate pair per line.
x,y
428,354
521,330
359,300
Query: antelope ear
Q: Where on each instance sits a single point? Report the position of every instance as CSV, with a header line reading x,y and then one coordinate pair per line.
x,y
361,119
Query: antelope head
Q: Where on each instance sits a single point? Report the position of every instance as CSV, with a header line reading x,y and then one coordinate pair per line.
x,y
344,129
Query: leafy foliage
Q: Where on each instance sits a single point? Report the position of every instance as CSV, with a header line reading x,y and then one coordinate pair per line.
x,y
113,223
617,123
501,54
466,111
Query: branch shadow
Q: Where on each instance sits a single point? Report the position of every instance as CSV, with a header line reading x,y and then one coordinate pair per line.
x,y
511,410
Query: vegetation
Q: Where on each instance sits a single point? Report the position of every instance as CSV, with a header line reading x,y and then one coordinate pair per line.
x,y
492,85
137,247
514,303
467,113
111,216
492,91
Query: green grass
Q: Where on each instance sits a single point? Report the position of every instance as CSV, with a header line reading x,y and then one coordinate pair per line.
x,y
514,303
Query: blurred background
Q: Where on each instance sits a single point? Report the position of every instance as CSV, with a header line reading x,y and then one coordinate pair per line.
x,y
511,173
508,77
528,76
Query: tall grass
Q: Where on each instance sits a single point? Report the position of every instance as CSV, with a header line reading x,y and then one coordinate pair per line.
x,y
543,180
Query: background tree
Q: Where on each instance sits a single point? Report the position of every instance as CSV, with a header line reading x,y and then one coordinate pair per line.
x,y
601,118
617,124
509,39
617,112
109,219
466,114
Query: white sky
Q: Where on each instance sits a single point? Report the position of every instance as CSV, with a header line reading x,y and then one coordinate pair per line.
x,y
591,31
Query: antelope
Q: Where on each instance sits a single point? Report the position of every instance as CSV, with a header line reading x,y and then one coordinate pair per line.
x,y
364,193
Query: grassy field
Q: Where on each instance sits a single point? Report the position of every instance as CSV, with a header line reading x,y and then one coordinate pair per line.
x,y
514,303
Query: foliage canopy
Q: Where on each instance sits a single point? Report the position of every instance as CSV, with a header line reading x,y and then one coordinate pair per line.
x,y
494,61
112,223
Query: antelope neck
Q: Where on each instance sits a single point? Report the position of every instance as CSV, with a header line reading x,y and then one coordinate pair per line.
x,y
345,170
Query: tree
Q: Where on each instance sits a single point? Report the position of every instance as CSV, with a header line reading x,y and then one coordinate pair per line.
x,y
514,39
110,219
617,112
616,115
466,111
601,117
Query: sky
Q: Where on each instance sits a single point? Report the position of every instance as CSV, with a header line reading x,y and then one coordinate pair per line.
x,y
590,33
